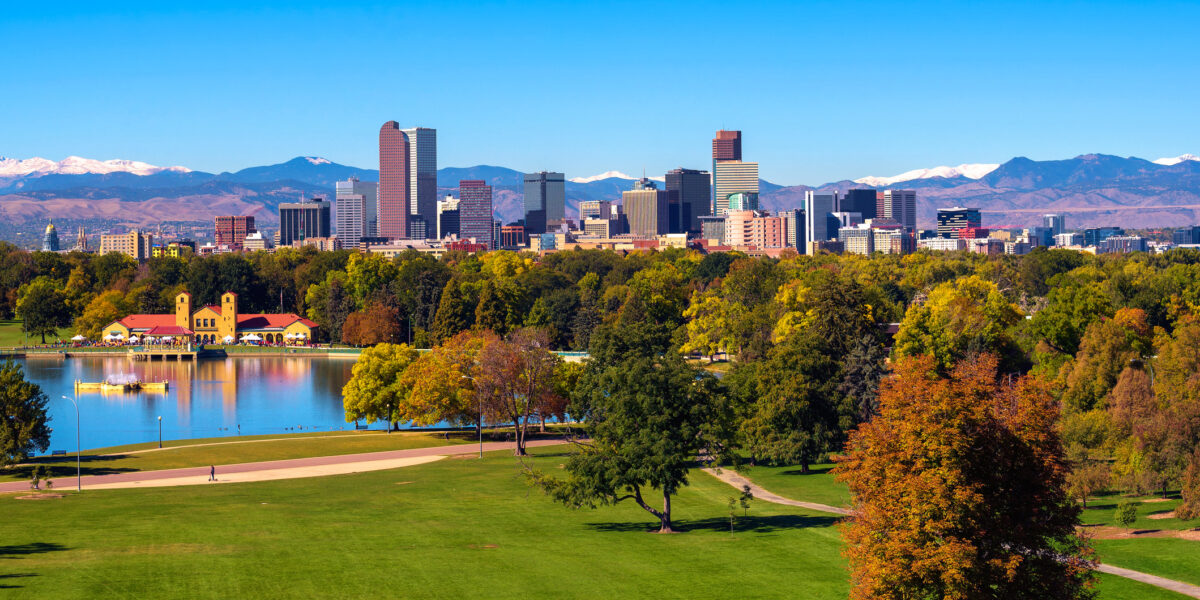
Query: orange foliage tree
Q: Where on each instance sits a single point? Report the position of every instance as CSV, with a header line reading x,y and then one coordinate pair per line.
x,y
959,490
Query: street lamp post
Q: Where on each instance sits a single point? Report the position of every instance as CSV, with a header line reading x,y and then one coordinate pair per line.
x,y
160,432
78,477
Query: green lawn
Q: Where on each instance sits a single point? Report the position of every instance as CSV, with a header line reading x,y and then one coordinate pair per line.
x,y
1102,509
11,335
456,528
818,485
227,450
1173,558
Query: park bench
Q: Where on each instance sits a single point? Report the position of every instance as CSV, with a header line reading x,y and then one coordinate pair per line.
x,y
58,453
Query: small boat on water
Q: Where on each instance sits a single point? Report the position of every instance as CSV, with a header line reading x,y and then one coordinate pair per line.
x,y
121,384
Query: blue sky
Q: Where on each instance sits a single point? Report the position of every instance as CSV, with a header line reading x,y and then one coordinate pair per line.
x,y
822,90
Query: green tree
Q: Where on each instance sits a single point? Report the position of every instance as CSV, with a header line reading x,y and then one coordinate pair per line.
x,y
376,389
647,419
23,419
862,371
42,308
455,312
102,310
960,318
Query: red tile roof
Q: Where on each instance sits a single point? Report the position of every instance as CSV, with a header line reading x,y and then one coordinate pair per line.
x,y
271,321
212,307
169,330
147,321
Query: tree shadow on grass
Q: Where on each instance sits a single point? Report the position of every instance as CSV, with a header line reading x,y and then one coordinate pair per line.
x,y
61,467
20,551
811,471
752,523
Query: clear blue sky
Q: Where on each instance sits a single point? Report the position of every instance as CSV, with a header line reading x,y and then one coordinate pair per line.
x,y
822,90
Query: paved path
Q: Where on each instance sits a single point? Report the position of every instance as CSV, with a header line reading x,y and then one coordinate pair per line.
x,y
276,469
737,481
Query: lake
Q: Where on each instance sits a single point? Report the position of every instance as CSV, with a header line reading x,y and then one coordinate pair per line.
x,y
206,398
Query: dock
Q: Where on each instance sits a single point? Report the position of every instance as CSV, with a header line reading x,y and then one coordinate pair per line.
x,y
164,353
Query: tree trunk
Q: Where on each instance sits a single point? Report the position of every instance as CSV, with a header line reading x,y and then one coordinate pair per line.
x,y
665,516
519,432
804,468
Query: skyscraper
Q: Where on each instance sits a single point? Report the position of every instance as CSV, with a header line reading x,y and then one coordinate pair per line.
x,y
393,181
646,209
545,201
901,207
793,220
695,195
860,201
950,220
727,145
475,212
357,204
1055,222
817,208
303,220
730,174
232,230
50,240
447,217
422,177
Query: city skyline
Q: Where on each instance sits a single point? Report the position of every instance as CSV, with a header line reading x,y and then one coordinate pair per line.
x,y
998,100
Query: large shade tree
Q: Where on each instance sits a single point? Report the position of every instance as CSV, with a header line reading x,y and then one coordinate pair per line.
x,y
23,420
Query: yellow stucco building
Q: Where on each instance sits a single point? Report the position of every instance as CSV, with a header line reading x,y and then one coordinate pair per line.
x,y
213,324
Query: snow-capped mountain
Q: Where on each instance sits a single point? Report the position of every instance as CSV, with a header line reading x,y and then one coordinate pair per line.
x,y
609,175
76,165
970,171
1176,160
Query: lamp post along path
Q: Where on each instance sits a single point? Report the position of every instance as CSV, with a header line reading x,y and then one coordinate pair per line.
x,y
78,476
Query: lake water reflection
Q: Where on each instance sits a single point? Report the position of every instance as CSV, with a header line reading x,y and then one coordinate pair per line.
x,y
207,398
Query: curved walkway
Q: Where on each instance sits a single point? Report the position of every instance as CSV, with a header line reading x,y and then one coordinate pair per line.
x,y
276,469
738,481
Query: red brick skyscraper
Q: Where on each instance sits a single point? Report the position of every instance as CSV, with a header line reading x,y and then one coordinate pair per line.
x,y
232,231
393,181
727,145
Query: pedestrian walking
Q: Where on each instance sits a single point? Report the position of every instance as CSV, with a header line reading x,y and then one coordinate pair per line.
x,y
212,473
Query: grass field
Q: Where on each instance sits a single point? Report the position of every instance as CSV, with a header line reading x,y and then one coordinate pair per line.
x,y
457,528
11,335
818,485
225,450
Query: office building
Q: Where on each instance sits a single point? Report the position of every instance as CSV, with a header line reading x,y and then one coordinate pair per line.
x,y
901,207
595,209
742,201
846,219
750,228
302,220
50,239
407,180
793,220
942,244
512,236
733,177
1072,238
1186,235
231,230
255,241
601,228
475,219
694,188
357,204
817,210
712,227
447,217
950,220
545,201
727,145
857,239
646,209
1095,235
1055,222
863,202
1039,236
1122,244
133,244
393,181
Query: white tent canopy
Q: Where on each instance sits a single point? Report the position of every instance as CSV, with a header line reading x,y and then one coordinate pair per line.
x,y
252,337
133,338
291,336
78,338
229,339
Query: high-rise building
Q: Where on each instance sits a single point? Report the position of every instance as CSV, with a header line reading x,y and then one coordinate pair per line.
x,y
695,195
727,145
950,220
1186,235
232,230
712,227
303,220
742,201
595,209
1095,235
733,177
817,210
422,177
393,181
646,209
545,201
475,218
1055,222
448,217
863,202
901,207
133,244
749,228
793,220
50,240
357,204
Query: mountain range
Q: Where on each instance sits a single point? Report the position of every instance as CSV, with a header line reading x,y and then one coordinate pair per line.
x,y
1092,189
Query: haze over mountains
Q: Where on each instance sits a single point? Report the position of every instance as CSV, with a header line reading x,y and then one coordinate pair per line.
x,y
1093,189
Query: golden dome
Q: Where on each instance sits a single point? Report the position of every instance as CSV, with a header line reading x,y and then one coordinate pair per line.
x,y
50,228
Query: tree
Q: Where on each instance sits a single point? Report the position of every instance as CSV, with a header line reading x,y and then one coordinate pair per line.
x,y
442,381
1108,345
42,308
102,310
960,318
1126,513
23,420
959,488
515,380
862,370
1189,508
648,417
795,418
455,312
376,391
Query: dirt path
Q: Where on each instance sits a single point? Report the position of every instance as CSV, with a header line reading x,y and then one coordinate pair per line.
x,y
275,469
738,481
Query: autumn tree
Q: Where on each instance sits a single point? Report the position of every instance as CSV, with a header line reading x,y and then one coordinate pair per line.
x,y
515,380
442,382
102,310
1107,347
23,419
960,318
647,417
376,391
959,490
